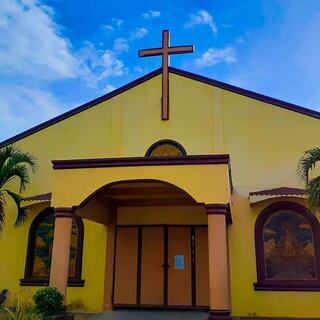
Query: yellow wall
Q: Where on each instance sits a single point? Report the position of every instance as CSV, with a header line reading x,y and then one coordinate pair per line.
x,y
264,143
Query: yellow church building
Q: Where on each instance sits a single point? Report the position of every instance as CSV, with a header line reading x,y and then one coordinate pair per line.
x,y
175,191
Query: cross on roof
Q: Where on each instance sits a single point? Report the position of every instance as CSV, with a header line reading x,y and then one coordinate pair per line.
x,y
165,51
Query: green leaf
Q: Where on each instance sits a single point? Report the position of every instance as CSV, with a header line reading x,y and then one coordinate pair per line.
x,y
307,163
22,214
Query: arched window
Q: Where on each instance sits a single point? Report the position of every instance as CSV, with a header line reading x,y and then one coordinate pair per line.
x,y
166,148
287,248
38,260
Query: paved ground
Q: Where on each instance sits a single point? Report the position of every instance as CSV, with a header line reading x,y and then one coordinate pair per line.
x,y
150,315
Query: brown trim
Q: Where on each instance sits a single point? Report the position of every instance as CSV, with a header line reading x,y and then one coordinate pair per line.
x,y
81,108
28,279
284,285
45,282
64,212
219,315
222,209
166,141
253,95
141,161
247,93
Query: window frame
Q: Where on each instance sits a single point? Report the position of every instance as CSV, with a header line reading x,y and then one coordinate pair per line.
x,y
166,141
28,279
264,284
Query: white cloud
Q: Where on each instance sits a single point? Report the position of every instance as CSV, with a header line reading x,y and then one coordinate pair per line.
x,y
99,65
34,52
213,56
108,27
138,33
202,17
109,87
138,69
25,108
31,44
151,14
120,45
117,22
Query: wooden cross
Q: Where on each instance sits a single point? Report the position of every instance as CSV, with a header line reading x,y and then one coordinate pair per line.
x,y
165,51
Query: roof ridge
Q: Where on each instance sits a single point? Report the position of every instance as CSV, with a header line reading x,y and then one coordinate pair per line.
x,y
80,108
244,92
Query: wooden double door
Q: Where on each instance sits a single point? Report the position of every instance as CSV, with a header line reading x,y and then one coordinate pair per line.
x,y
161,267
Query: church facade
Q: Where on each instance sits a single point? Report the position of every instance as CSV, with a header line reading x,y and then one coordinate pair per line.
x,y
199,211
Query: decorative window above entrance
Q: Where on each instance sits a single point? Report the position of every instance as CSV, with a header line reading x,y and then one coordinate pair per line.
x,y
166,148
38,260
287,249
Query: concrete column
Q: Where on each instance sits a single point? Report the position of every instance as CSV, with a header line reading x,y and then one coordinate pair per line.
x,y
218,215
61,249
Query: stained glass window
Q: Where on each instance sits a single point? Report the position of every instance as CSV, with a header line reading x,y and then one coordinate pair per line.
x,y
166,148
40,248
287,251
288,247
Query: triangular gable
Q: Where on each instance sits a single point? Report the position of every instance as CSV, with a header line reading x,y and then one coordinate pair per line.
x,y
179,72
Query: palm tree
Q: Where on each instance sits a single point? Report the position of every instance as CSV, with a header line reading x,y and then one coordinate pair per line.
x,y
307,164
14,164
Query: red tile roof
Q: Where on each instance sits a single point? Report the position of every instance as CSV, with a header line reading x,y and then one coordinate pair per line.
x,y
282,191
39,197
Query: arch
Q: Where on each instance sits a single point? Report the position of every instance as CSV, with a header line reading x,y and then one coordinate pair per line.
x,y
277,226
34,280
179,148
111,184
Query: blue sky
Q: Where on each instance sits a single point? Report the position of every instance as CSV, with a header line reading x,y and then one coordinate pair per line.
x,y
58,54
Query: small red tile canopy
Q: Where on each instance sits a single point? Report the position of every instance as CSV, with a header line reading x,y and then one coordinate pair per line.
x,y
261,195
39,197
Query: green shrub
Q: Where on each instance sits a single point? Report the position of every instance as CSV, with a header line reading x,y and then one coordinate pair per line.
x,y
49,301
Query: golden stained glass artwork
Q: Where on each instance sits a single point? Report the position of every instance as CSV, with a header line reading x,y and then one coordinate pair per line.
x,y
165,150
289,247
43,248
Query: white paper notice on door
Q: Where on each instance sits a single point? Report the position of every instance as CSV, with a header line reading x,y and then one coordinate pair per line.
x,y
179,262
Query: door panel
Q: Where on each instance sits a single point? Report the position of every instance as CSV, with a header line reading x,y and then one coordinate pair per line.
x,y
202,266
126,264
152,257
179,272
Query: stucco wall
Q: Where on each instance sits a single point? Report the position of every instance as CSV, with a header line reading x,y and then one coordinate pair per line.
x,y
264,143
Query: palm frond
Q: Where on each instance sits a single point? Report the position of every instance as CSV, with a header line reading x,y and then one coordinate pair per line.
x,y
6,153
308,163
313,194
22,214
18,158
19,171
2,205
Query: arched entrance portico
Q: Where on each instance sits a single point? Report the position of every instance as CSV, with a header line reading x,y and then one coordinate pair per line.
x,y
160,252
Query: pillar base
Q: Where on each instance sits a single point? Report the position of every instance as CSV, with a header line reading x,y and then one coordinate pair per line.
x,y
219,315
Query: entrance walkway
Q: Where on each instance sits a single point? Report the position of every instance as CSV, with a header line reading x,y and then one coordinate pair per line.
x,y
150,315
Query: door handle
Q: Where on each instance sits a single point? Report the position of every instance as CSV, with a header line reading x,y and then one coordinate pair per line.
x,y
165,266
